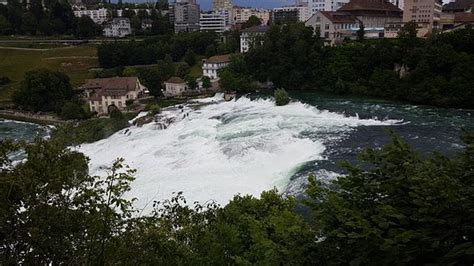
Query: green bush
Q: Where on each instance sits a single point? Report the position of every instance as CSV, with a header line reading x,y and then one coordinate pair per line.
x,y
153,108
281,97
129,102
73,110
116,114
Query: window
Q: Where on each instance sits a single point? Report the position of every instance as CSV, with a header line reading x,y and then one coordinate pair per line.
x,y
326,26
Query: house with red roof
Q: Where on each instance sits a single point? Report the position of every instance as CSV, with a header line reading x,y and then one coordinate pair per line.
x,y
106,93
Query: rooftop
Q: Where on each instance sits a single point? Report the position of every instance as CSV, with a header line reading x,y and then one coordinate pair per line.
x,y
259,28
339,17
370,5
218,59
458,5
175,80
463,17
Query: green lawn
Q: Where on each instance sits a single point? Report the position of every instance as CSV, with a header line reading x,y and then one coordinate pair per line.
x,y
75,61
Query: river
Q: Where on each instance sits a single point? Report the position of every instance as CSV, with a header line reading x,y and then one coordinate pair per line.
x,y
218,149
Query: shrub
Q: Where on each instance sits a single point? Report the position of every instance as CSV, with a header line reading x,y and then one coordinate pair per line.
x,y
116,114
281,97
73,110
153,109
129,102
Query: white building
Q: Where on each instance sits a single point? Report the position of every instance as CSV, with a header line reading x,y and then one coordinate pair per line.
x,y
102,94
304,12
333,26
118,28
99,16
174,86
212,22
249,35
242,14
212,65
322,5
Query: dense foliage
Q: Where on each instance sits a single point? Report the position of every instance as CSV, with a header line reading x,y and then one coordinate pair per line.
x,y
435,71
44,90
399,208
154,49
55,17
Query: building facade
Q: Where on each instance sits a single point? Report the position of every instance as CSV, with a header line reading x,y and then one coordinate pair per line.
x,y
303,11
213,22
284,16
333,26
250,35
242,14
373,14
102,94
118,28
212,65
324,5
185,15
174,86
99,16
222,4
423,11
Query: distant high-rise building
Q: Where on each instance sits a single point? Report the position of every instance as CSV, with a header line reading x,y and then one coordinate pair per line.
x,y
423,11
303,13
184,14
242,14
213,22
222,4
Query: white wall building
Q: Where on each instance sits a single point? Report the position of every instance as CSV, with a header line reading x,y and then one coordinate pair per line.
x,y
323,5
118,28
212,22
242,14
212,65
174,86
101,94
333,26
99,16
249,35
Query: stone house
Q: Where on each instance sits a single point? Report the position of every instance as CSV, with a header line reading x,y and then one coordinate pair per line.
x,y
103,94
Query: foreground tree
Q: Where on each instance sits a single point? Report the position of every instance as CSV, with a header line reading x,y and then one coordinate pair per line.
x,y
44,90
399,208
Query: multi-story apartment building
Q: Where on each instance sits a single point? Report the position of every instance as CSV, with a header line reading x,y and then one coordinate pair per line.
x,y
213,22
242,14
222,4
423,11
322,5
302,11
284,16
249,36
99,16
184,14
118,28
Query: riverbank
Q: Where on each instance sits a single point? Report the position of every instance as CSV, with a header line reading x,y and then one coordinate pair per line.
x,y
41,119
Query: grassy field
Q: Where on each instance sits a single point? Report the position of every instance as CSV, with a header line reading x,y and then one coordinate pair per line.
x,y
72,60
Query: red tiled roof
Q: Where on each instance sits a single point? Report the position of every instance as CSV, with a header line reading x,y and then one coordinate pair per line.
x,y
117,86
463,17
369,5
339,17
175,80
219,59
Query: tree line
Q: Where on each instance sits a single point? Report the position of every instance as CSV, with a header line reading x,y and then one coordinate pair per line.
x,y
392,207
56,17
434,71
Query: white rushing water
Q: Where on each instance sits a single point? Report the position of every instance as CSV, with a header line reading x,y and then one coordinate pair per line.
x,y
223,148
